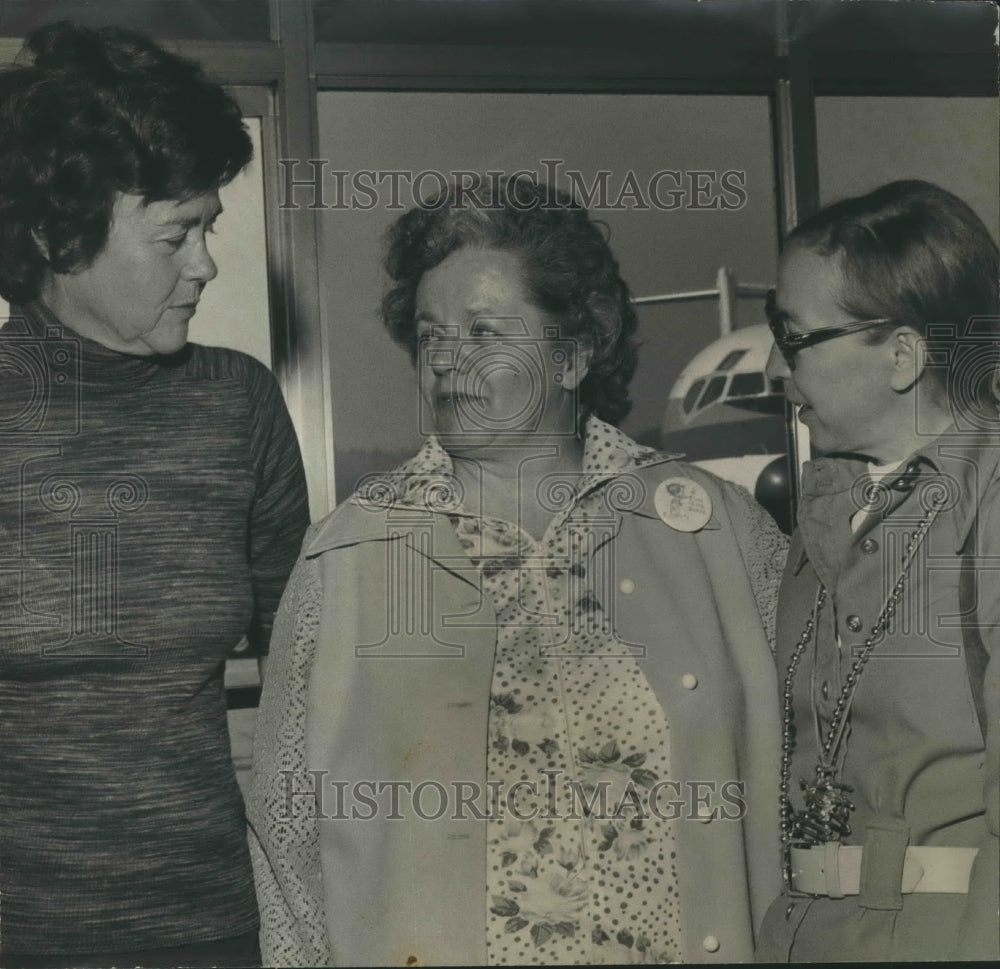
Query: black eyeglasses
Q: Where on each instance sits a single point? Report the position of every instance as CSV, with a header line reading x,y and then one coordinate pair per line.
x,y
789,344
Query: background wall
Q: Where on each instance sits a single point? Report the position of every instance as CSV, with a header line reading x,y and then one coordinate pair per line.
x,y
864,142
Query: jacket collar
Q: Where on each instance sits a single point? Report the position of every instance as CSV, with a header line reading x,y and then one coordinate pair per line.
x,y
424,489
962,462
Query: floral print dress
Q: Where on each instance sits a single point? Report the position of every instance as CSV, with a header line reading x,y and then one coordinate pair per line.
x,y
579,870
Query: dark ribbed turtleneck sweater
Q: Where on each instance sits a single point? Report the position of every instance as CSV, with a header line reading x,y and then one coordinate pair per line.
x,y
151,509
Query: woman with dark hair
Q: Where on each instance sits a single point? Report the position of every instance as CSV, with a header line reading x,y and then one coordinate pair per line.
x,y
520,702
153,503
886,337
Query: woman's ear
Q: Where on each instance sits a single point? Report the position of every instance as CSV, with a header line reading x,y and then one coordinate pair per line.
x,y
907,347
576,367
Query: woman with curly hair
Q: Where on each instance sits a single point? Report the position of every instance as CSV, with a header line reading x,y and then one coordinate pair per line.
x,y
153,503
521,705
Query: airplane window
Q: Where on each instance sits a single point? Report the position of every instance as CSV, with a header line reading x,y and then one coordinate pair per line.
x,y
716,385
747,385
692,395
731,359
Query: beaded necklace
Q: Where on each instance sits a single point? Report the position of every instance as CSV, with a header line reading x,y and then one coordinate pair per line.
x,y
827,805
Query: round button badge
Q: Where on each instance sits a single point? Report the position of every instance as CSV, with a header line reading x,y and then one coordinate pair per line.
x,y
682,504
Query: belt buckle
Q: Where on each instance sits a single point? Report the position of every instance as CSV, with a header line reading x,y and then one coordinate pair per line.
x,y
786,871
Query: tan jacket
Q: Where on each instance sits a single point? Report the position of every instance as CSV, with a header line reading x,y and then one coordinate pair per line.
x,y
404,695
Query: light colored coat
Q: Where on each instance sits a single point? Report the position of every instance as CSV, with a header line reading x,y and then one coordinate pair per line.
x,y
408,706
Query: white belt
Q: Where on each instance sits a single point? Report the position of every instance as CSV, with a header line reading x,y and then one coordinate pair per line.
x,y
834,869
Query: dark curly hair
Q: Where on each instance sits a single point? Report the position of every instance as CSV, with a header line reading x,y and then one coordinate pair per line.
x,y
570,273
97,113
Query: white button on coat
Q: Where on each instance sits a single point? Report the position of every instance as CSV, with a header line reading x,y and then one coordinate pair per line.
x,y
627,586
689,681
710,943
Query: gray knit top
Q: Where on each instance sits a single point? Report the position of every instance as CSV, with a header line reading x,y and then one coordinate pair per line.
x,y
151,509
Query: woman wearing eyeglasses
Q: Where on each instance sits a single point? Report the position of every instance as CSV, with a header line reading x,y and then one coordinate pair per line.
x,y
888,644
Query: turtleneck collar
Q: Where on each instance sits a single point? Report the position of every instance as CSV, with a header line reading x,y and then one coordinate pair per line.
x,y
96,365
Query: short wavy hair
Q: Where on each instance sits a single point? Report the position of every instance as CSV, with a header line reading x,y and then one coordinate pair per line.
x,y
917,255
96,113
569,271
